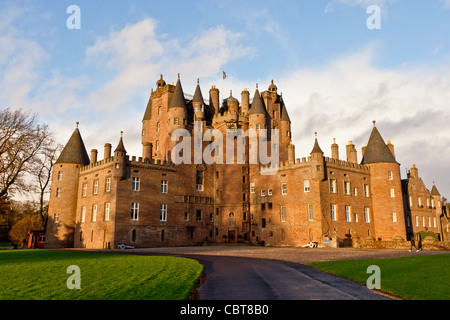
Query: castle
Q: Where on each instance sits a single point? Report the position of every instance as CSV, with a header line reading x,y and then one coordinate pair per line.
x,y
150,201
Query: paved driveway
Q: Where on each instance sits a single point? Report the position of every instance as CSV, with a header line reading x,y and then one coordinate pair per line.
x,y
261,273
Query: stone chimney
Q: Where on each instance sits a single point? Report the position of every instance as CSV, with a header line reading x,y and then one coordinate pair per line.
x,y
94,153
107,151
334,150
352,155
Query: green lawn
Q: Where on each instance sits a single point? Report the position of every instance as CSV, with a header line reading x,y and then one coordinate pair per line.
x,y
413,278
42,275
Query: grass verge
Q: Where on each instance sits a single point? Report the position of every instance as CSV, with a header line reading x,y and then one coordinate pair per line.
x,y
413,278
42,275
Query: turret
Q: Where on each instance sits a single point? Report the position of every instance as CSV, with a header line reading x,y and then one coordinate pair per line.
x,y
119,160
386,189
62,208
199,104
177,109
257,113
285,124
317,162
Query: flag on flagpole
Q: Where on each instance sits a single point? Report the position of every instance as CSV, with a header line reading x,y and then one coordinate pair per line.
x,y
224,75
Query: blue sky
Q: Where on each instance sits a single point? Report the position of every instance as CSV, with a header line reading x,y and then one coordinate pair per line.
x,y
335,74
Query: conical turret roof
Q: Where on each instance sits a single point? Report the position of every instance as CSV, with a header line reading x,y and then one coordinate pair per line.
x,y
198,97
178,96
120,146
284,114
316,148
257,104
148,111
377,150
74,151
434,191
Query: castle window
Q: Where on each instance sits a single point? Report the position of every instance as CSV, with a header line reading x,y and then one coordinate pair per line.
x,y
394,216
310,212
60,175
269,192
158,127
433,204
263,223
419,201
56,218
258,127
94,213
390,175
356,217
263,193
134,211
417,221
157,145
366,191
252,187
175,121
164,186
135,185
423,221
199,180
347,188
355,191
96,187
107,207
306,187
428,203
211,217
434,222
143,132
159,111
392,193
186,216
108,185
367,215
58,192
333,211
348,213
83,214
199,216
163,212
263,207
84,189
283,189
333,186
283,214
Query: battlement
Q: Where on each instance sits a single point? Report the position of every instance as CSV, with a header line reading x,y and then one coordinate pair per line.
x,y
142,163
230,116
346,164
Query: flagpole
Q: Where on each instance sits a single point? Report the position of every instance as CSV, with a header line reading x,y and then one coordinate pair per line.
x,y
221,101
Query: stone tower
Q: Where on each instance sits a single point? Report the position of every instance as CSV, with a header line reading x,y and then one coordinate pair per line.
x,y
386,188
64,193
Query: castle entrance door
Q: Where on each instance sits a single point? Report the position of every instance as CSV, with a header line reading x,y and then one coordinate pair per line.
x,y
231,236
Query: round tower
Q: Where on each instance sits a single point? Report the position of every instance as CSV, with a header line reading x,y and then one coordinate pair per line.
x,y
62,208
385,188
199,104
317,162
119,171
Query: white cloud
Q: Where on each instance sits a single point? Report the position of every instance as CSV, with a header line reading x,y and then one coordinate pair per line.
x,y
340,100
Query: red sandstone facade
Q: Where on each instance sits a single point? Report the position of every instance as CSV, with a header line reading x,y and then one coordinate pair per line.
x,y
150,201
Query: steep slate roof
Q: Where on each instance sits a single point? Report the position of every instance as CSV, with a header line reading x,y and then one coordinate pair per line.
x,y
377,150
284,113
178,96
257,104
74,151
316,148
120,146
434,191
148,111
198,97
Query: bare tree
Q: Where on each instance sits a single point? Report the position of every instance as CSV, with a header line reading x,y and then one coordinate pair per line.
x,y
21,139
41,173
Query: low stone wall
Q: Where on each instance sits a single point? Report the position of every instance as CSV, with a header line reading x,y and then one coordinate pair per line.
x,y
429,243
